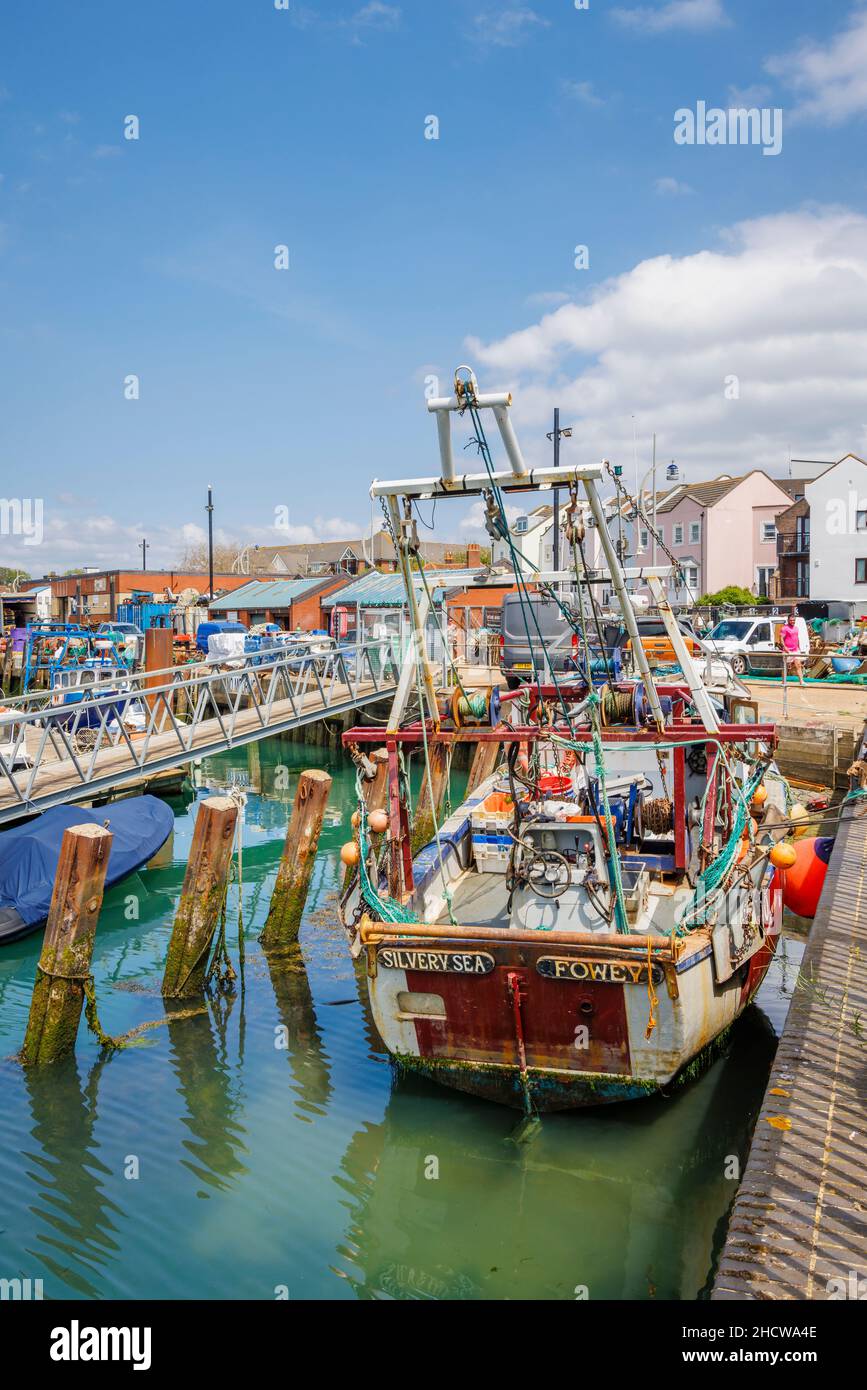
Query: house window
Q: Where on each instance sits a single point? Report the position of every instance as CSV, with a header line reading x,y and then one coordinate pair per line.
x,y
521,526
660,529
694,532
769,532
692,578
861,571
678,534
861,521
645,538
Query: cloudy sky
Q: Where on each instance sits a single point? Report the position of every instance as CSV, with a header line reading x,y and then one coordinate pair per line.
x,y
150,345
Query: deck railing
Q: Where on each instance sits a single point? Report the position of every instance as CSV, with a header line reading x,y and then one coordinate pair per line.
x,y
152,720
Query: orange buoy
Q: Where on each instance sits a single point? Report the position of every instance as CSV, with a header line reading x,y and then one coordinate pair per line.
x,y
804,880
349,854
760,796
783,855
800,813
356,819
378,822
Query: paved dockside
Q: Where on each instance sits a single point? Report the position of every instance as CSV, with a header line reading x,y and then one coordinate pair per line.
x,y
800,1217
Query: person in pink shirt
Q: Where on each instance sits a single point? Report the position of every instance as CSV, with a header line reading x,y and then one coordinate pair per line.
x,y
790,640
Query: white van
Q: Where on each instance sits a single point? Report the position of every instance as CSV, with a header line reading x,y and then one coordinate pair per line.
x,y
750,644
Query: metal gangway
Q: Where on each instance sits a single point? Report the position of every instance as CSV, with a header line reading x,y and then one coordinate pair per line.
x,y
150,721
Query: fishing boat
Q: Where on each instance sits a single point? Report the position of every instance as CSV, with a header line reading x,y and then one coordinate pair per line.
x,y
594,917
29,855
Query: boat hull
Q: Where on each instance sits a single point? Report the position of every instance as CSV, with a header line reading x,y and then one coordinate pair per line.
x,y
552,1026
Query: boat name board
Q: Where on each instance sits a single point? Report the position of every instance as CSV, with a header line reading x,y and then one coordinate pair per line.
x,y
604,972
439,962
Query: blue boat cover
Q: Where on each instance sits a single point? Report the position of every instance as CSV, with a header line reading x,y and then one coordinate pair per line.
x,y
29,853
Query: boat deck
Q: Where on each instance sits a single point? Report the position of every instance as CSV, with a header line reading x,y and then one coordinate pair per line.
x,y
479,900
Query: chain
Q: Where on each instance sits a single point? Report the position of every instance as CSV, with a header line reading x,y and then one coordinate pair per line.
x,y
642,516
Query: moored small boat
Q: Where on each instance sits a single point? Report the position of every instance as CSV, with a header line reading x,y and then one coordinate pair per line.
x,y
29,855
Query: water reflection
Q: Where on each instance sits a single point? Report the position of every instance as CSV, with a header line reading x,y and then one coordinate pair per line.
x,y
77,1235
306,1054
624,1200
212,1093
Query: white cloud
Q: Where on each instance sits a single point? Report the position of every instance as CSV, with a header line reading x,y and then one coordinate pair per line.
x,y
780,304
507,28
695,15
672,187
583,92
106,151
475,519
547,299
755,95
830,79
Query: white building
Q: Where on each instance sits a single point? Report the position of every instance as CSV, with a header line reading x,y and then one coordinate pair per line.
x,y
838,532
527,534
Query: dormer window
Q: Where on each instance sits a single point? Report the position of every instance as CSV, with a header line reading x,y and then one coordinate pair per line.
x,y
521,525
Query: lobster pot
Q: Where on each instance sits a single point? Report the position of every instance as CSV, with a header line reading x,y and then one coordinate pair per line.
x,y
489,832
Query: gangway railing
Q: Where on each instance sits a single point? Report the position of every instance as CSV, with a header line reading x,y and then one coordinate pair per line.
x,y
152,720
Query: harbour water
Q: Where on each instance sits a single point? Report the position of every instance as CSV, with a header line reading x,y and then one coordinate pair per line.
x,y
262,1149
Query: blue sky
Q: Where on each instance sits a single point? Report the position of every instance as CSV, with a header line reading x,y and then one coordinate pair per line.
x,y
306,127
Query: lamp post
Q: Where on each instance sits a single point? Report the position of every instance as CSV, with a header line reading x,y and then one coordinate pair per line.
x,y
556,434
144,550
210,510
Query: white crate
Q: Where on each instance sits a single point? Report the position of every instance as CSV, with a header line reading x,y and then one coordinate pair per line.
x,y
491,852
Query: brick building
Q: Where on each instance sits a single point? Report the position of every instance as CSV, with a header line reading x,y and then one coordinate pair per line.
x,y
291,603
93,597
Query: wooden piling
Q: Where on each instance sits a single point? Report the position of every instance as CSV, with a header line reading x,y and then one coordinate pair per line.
x,y
158,658
296,863
376,792
64,963
427,811
485,760
201,898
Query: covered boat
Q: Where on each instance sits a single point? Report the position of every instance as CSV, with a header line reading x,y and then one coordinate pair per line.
x,y
29,855
602,907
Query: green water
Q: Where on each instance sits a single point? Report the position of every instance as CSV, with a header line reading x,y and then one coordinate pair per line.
x,y
306,1169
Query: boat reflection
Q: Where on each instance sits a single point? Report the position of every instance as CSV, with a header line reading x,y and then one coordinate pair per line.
x,y
618,1202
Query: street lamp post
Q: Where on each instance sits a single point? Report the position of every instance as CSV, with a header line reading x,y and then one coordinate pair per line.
x,y
210,510
144,550
556,434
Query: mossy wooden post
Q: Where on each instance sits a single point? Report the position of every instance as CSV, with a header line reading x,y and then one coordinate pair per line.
x,y
426,811
296,863
201,898
485,760
64,963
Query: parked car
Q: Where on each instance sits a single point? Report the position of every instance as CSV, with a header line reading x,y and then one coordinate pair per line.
x,y
657,643
558,647
130,634
750,644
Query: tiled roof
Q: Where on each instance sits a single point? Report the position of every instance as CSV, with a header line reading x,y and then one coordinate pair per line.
x,y
276,593
378,590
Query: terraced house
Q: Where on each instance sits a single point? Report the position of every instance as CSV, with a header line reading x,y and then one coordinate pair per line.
x,y
721,532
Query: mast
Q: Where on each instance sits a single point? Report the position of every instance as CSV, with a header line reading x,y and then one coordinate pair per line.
x,y
626,608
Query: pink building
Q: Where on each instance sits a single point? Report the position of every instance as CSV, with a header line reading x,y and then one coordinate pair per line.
x,y
722,532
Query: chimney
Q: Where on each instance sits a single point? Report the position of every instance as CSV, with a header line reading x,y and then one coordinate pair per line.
x,y
474,555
